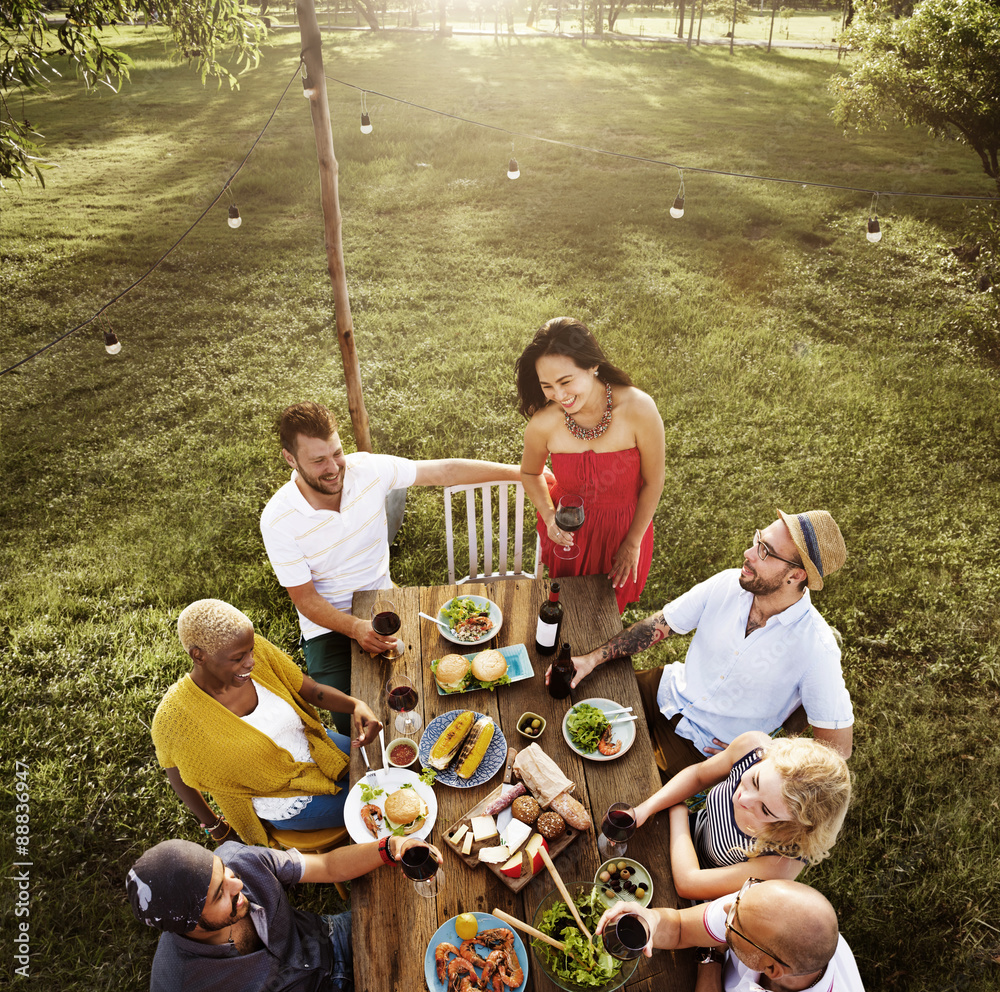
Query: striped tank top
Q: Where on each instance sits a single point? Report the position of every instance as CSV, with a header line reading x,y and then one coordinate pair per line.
x,y
717,839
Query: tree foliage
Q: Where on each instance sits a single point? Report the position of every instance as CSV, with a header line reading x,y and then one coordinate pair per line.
x,y
33,43
938,69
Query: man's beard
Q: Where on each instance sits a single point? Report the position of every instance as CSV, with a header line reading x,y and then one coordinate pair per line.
x,y
325,488
211,927
761,587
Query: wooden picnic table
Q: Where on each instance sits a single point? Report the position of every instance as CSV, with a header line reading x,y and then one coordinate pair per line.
x,y
392,925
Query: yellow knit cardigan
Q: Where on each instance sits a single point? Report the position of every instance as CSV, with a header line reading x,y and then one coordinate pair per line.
x,y
217,752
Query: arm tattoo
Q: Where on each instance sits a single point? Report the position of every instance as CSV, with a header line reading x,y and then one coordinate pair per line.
x,y
319,695
637,638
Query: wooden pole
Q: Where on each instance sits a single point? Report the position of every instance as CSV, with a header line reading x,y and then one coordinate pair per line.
x,y
312,54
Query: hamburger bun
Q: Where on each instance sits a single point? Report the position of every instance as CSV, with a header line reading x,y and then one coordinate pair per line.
x,y
488,666
404,808
451,672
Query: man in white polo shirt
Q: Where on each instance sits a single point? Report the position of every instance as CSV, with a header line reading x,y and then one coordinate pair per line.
x,y
325,531
761,656
781,936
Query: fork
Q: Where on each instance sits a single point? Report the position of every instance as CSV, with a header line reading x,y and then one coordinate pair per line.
x,y
371,775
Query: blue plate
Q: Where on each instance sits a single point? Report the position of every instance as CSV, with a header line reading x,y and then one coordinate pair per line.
x,y
518,668
446,934
492,762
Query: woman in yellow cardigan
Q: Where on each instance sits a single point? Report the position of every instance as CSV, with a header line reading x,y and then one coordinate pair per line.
x,y
241,725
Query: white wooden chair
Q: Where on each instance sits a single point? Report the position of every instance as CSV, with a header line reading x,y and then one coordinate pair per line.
x,y
506,526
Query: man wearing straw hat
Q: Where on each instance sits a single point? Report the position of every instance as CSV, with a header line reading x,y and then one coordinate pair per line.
x,y
761,656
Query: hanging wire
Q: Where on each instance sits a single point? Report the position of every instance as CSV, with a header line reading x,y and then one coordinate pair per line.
x,y
656,161
152,268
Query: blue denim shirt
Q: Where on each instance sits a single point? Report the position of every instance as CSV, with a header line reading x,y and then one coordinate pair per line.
x,y
301,952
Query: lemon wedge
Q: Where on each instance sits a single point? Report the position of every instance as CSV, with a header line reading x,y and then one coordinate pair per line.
x,y
466,926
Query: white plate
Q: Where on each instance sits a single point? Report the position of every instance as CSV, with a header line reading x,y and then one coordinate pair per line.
x,y
625,731
623,896
389,779
495,615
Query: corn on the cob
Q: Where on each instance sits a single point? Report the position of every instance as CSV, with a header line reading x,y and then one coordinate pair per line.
x,y
475,746
446,746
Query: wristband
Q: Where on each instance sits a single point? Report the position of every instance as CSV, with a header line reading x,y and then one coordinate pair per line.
x,y
385,853
712,956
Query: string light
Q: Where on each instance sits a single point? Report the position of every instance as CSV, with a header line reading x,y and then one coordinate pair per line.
x,y
677,210
308,86
111,343
874,234
512,170
366,121
234,216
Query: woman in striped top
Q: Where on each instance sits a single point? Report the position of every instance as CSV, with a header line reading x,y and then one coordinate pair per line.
x,y
774,807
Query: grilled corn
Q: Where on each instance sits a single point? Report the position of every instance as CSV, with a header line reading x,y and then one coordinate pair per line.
x,y
446,746
475,746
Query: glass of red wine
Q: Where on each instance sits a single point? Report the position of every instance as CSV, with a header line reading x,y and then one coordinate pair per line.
x,y
569,517
419,863
617,828
402,696
626,937
385,622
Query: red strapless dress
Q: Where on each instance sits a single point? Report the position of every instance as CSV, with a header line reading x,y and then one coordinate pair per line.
x,y
609,482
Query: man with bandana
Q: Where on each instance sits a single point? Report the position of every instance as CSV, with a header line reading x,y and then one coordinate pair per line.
x,y
761,657
227,924
781,936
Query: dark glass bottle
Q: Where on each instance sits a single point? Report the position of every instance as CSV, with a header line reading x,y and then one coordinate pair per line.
x,y
550,618
562,674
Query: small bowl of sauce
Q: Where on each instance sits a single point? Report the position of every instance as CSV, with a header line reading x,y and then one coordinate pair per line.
x,y
402,752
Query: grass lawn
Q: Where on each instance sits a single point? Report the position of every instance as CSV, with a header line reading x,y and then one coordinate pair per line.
x,y
795,365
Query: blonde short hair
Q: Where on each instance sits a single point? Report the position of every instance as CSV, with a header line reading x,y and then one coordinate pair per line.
x,y
211,624
816,787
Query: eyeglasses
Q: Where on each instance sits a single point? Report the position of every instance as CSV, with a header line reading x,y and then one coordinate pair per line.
x,y
731,916
764,552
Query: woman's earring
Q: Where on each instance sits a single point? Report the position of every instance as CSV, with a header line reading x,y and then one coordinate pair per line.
x,y
595,371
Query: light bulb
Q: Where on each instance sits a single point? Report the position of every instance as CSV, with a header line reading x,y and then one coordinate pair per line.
x,y
512,170
111,343
874,230
308,88
366,124
234,216
677,210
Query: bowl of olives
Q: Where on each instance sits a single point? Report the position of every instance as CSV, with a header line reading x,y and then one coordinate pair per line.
x,y
530,725
626,880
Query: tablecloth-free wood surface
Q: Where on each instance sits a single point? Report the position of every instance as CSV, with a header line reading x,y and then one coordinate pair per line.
x,y
391,923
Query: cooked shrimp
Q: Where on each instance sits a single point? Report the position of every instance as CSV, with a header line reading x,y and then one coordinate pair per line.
x,y
456,969
468,951
371,816
605,745
441,958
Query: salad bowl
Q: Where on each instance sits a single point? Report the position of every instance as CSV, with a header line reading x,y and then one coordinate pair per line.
x,y
460,607
550,919
623,731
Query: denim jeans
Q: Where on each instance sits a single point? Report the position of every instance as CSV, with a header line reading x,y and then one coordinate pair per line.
x,y
342,974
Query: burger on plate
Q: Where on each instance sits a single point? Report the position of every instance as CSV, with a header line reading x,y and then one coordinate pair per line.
x,y
488,666
404,808
451,672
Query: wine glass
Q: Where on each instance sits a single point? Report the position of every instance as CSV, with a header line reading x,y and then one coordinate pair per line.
x,y
402,698
618,826
385,621
569,517
418,863
626,937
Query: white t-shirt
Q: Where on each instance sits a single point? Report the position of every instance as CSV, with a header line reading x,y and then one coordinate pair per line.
x,y
729,683
340,551
840,975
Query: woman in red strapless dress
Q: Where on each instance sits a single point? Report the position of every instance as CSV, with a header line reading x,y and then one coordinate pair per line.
x,y
605,439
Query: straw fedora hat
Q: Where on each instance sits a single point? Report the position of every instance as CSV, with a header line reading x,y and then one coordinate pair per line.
x,y
819,541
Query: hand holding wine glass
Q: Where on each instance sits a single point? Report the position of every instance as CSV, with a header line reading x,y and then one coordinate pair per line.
x,y
402,697
569,518
385,623
422,863
616,830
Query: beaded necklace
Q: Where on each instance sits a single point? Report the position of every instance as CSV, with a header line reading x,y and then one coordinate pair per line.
x,y
590,433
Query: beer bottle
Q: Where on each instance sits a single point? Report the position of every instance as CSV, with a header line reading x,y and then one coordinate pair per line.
x,y
562,674
550,617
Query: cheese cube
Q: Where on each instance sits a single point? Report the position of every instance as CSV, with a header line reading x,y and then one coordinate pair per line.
x,y
467,846
484,827
515,834
459,834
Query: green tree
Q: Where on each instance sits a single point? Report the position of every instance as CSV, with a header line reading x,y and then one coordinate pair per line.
x,y
33,42
938,69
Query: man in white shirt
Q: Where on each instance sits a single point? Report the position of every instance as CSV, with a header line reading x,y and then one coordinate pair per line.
x,y
761,656
781,936
325,531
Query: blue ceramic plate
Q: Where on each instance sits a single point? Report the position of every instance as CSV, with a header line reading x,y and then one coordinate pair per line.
x,y
446,934
492,762
518,668
623,731
495,615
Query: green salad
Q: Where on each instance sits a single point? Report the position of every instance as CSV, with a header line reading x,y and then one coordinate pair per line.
x,y
585,724
603,967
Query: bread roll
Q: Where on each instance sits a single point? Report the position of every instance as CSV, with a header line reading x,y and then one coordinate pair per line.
x,y
488,666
